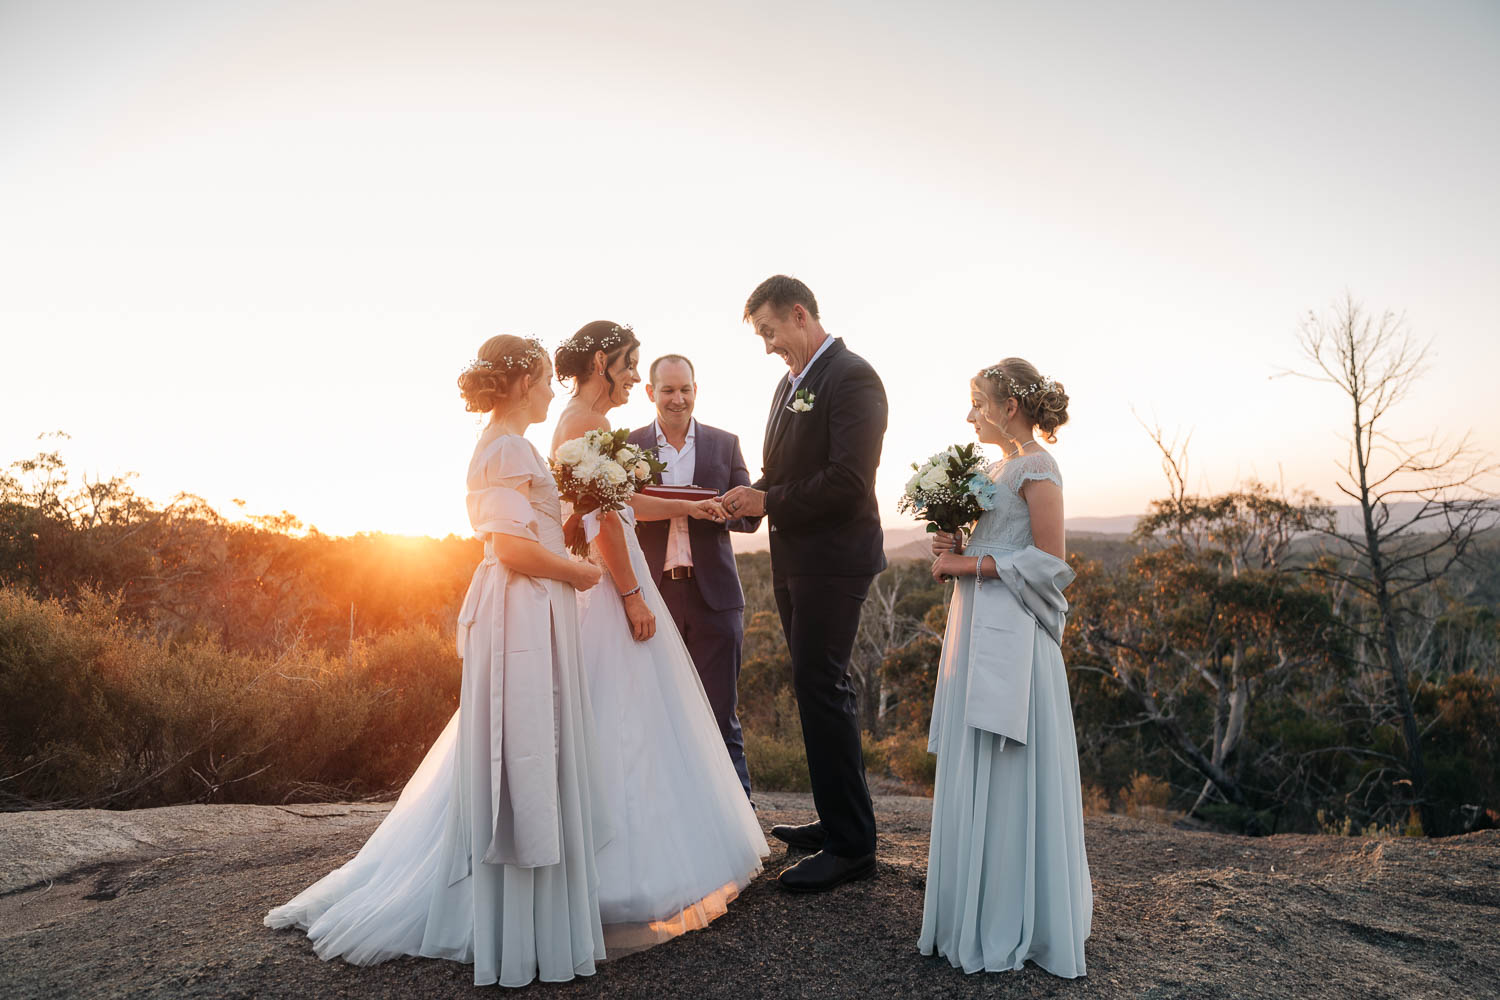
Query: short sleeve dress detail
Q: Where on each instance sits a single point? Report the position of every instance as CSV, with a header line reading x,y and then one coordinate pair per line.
x,y
489,855
1007,873
1008,526
502,478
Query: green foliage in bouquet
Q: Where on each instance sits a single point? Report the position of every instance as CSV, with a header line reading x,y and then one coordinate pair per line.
x,y
600,471
950,490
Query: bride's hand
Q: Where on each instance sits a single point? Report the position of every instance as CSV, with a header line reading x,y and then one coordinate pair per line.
x,y
585,575
642,621
708,510
945,541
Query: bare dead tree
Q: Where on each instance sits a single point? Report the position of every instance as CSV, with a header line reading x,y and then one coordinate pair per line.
x,y
1421,501
882,628
886,632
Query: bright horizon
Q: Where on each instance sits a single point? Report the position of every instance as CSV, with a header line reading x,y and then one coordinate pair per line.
x,y
247,252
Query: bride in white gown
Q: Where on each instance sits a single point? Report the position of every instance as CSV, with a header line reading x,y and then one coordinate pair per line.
x,y
489,855
686,840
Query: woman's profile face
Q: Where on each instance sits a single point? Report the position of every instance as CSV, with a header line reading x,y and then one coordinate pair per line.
x,y
539,397
625,376
986,415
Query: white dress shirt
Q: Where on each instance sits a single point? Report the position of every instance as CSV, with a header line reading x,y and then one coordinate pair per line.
x,y
796,380
681,465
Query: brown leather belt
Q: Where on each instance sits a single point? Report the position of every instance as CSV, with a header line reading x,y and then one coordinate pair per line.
x,y
678,573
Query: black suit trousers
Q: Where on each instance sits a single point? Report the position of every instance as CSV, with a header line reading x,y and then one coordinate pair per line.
x,y
820,618
715,640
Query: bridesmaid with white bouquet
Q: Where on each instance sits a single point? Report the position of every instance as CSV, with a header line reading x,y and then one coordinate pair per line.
x,y
1007,875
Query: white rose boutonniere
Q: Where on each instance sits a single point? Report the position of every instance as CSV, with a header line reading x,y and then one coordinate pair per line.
x,y
802,401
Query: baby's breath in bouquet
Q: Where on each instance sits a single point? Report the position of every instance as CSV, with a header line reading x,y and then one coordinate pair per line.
x,y
950,490
599,471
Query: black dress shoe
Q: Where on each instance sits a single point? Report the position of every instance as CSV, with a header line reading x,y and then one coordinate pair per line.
x,y
809,837
822,871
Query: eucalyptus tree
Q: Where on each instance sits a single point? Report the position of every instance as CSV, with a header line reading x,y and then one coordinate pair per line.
x,y
1421,502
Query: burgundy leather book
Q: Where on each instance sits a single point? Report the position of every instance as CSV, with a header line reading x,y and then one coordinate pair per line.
x,y
678,492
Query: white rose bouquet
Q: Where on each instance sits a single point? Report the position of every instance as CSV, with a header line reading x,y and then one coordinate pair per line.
x,y
599,471
950,490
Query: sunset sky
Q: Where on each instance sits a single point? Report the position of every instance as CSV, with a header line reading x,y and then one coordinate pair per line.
x,y
245,248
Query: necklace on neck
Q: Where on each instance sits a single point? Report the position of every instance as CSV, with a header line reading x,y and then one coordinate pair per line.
x,y
1022,446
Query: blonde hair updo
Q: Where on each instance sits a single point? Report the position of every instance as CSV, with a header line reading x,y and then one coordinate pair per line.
x,y
1042,401
492,379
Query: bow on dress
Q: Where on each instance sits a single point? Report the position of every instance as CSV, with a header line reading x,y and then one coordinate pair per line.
x,y
524,825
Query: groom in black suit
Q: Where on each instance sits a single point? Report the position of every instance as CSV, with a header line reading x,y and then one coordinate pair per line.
x,y
817,490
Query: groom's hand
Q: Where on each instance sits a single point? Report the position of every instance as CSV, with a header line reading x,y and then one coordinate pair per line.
x,y
744,501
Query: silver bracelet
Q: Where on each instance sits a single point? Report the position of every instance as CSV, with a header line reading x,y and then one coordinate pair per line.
x,y
631,593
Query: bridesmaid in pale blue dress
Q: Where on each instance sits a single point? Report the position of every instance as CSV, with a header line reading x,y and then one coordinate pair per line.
x,y
1007,875
488,858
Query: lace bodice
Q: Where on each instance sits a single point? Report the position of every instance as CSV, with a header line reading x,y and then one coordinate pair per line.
x,y
512,492
1008,526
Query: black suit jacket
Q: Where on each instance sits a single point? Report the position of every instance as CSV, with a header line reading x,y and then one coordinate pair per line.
x,y
717,465
819,470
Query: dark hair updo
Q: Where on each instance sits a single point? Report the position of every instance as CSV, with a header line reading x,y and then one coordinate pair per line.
x,y
492,379
1042,401
575,358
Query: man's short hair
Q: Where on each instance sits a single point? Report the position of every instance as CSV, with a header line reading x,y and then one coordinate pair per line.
x,y
671,357
781,292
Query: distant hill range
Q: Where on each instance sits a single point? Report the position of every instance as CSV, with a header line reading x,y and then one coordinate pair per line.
x,y
910,542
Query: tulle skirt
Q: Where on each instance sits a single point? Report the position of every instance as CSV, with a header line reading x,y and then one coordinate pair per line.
x,y
686,840
1007,875
412,890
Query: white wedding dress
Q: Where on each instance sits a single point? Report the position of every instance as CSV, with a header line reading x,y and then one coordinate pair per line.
x,y
686,840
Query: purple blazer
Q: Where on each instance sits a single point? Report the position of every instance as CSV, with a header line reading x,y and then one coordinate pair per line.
x,y
717,465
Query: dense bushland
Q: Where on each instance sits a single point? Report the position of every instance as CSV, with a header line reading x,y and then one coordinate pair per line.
x,y
96,712
151,655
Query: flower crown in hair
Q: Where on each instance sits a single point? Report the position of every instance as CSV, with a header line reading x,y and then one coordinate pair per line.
x,y
1017,390
588,342
526,360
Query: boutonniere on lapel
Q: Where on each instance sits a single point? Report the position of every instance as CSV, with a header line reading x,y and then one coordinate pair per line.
x,y
801,402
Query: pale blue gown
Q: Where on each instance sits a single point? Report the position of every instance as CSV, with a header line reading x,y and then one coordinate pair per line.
x,y
1007,876
488,858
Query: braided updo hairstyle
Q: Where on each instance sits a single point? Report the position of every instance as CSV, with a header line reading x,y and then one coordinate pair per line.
x,y
1042,401
496,376
575,358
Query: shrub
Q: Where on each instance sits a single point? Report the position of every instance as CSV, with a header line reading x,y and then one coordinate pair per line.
x,y
1095,801
907,757
777,764
94,714
1146,797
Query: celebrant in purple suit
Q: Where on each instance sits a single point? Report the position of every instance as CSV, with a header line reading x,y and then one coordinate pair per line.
x,y
692,559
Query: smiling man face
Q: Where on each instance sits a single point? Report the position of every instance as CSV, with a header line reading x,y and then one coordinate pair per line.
x,y
784,315
792,336
673,390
